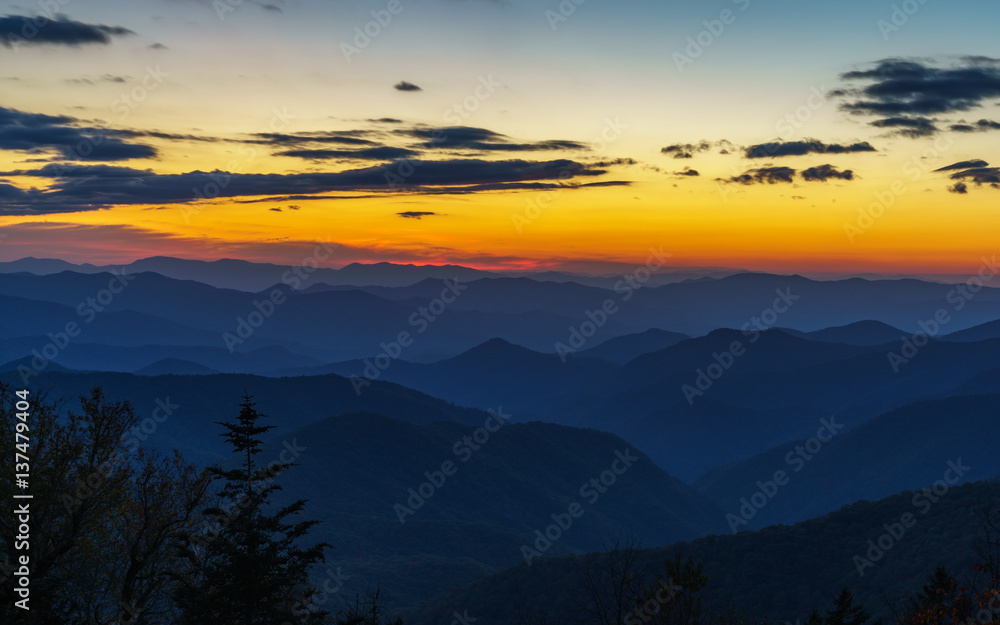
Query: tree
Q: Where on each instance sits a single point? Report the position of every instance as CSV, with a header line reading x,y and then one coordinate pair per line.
x,y
686,580
612,583
163,498
367,609
844,611
101,515
945,601
617,592
249,568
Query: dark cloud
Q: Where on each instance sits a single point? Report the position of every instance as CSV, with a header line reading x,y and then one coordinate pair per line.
x,y
11,117
156,134
10,192
897,87
415,214
483,140
382,153
452,139
686,150
773,175
406,86
615,162
822,173
275,209
980,176
91,187
981,126
908,126
94,81
70,170
60,134
806,146
451,190
959,187
964,165
976,59
79,186
769,175
158,46
16,30
343,137
386,120
687,171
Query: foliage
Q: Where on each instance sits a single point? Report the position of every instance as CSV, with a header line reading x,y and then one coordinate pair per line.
x,y
249,568
101,517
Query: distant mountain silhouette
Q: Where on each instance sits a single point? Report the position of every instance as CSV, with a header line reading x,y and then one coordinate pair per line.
x,y
489,375
330,325
175,366
857,333
779,372
26,317
696,307
986,382
25,362
491,505
244,275
906,448
337,325
43,266
622,349
981,332
253,276
132,358
658,379
198,401
688,440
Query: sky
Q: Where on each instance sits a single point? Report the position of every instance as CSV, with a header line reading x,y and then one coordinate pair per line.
x,y
792,136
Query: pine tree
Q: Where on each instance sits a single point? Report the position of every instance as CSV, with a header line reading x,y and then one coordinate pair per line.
x,y
939,589
249,570
844,611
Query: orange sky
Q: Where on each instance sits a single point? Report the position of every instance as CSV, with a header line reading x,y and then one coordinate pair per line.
x,y
602,106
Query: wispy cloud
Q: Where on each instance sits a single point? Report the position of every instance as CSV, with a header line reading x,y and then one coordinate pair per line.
x,y
17,30
65,137
806,146
99,186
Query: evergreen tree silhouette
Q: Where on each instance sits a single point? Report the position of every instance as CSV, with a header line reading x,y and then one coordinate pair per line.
x,y
250,569
844,611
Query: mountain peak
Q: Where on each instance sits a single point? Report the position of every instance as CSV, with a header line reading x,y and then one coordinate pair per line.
x,y
495,348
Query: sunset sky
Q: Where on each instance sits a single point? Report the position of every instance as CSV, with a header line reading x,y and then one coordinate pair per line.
x,y
504,134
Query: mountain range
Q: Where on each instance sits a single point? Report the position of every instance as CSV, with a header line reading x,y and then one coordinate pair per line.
x,y
464,437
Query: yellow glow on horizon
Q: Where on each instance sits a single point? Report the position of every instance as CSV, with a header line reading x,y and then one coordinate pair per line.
x,y
755,227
